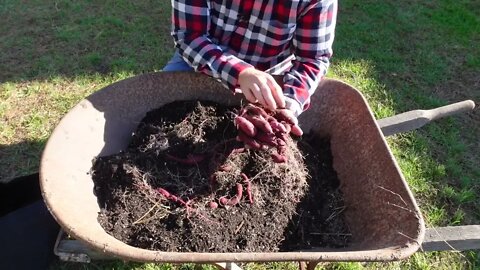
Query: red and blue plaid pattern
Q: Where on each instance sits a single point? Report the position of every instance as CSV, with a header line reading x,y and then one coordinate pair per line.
x,y
223,37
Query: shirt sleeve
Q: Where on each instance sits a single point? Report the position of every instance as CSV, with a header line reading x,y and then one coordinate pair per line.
x,y
312,43
190,24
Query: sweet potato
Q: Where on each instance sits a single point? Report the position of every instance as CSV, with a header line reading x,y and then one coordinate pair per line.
x,y
260,123
245,126
287,126
164,192
242,137
171,197
280,142
236,199
213,205
238,151
268,139
278,127
248,188
281,149
225,168
283,137
282,115
277,158
223,200
296,130
254,110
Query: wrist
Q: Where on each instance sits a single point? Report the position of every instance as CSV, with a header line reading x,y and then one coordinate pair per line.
x,y
245,71
293,105
233,78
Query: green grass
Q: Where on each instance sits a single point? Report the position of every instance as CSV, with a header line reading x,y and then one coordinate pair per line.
x,y
402,55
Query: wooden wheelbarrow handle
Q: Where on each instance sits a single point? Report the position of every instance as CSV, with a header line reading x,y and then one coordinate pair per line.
x,y
417,118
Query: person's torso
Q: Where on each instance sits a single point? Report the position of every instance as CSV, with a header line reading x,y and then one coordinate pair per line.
x,y
259,32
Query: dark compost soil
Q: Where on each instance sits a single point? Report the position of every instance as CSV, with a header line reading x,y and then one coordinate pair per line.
x,y
185,184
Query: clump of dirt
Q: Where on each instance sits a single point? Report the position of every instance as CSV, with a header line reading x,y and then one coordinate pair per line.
x,y
185,184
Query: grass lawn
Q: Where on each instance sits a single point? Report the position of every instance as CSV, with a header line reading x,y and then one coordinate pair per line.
x,y
402,55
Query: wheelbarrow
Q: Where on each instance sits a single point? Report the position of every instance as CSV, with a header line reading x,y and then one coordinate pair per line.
x,y
381,212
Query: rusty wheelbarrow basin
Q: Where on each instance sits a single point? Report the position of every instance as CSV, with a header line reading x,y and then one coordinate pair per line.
x,y
381,212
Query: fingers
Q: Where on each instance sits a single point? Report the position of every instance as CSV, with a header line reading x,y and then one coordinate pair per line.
x,y
261,87
266,93
277,93
249,95
260,94
296,130
287,116
258,91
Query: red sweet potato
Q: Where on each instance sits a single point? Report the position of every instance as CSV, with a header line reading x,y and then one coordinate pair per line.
x,y
213,205
287,126
242,137
282,115
248,188
236,199
171,197
281,149
296,130
225,168
260,123
277,158
238,151
268,139
223,200
164,192
278,127
254,110
245,126
280,142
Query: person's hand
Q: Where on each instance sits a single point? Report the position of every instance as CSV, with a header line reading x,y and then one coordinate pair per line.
x,y
261,87
289,117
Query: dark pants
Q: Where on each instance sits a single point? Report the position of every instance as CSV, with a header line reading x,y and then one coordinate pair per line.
x,y
27,230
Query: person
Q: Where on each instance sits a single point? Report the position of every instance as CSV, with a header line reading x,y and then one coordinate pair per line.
x,y
242,43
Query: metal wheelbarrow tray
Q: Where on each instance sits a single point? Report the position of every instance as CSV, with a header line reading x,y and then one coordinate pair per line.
x,y
381,213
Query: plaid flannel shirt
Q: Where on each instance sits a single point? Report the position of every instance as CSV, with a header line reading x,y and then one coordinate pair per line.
x,y
223,37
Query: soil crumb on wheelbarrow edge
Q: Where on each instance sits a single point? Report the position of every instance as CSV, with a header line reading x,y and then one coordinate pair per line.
x,y
184,184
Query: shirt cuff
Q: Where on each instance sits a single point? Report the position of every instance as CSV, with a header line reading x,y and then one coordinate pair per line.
x,y
231,70
293,105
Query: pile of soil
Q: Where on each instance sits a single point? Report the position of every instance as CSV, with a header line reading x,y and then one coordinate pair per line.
x,y
185,184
